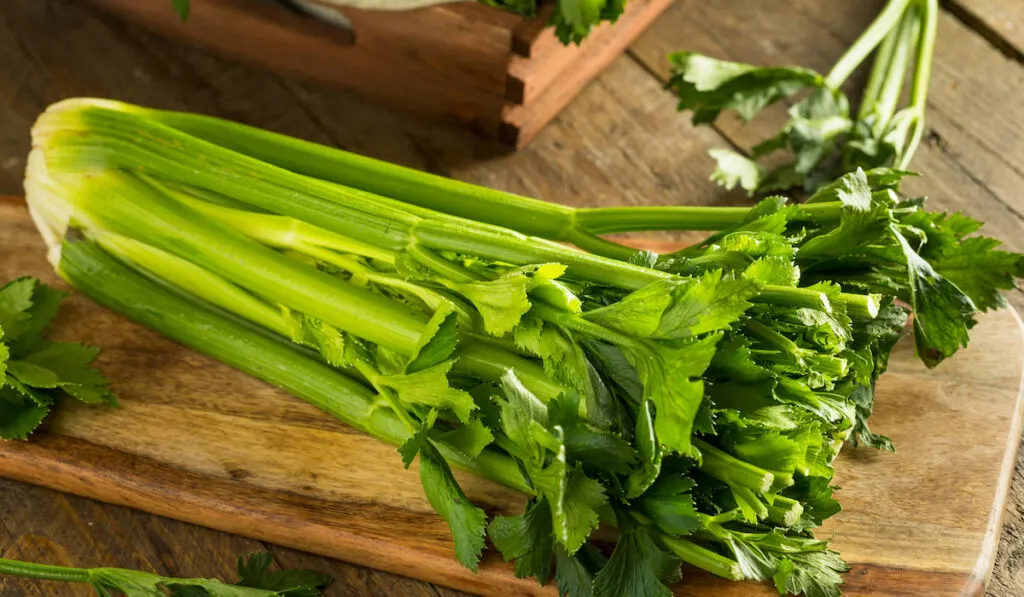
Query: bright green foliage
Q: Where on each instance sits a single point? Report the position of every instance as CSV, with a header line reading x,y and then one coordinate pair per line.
x,y
34,372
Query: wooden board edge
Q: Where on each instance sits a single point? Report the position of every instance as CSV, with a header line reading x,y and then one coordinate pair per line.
x,y
138,483
982,573
325,54
520,123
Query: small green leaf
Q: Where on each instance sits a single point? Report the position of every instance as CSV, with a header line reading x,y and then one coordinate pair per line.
x,y
19,417
733,168
33,375
182,7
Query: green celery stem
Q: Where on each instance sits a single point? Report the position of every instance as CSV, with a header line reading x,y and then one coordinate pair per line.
x,y
701,557
861,307
96,274
447,195
866,43
526,215
43,571
922,79
878,73
592,243
794,297
785,511
731,470
899,61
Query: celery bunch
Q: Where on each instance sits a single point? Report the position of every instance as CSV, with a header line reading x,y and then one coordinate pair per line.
x,y
695,400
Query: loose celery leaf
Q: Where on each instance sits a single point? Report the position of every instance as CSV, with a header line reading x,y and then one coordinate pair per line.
x,y
733,168
707,86
46,302
815,123
256,581
254,572
528,539
33,375
19,417
637,567
15,306
70,362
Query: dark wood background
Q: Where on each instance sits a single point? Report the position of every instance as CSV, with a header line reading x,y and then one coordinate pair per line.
x,y
620,142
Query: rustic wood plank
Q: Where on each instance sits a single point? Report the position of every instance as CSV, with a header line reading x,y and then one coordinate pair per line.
x,y
1001,22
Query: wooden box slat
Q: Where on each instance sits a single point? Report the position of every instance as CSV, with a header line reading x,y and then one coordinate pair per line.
x,y
494,72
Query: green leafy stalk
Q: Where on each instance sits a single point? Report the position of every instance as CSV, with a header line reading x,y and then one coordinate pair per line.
x,y
822,137
255,580
34,372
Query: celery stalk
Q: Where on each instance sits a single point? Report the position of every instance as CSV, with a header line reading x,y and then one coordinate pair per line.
x,y
94,272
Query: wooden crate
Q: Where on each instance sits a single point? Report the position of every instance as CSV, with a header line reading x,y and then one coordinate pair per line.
x,y
497,73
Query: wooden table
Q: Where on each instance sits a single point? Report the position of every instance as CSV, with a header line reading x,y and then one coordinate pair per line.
x,y
620,142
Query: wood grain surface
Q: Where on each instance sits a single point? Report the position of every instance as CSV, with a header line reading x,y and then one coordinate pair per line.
x,y
620,142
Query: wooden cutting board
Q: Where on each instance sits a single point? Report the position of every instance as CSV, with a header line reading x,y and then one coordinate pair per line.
x,y
197,441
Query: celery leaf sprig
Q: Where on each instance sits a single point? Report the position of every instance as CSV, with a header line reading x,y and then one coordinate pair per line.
x,y
36,372
255,580
823,137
